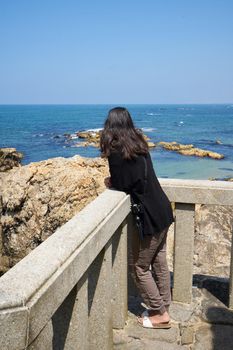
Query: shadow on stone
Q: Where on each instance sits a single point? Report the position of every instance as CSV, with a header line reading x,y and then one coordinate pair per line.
x,y
93,278
220,332
218,287
61,321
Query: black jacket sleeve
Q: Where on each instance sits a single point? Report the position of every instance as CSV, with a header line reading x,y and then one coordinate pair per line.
x,y
126,175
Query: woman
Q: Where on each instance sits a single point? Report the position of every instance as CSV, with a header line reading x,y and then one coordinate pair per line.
x,y
131,171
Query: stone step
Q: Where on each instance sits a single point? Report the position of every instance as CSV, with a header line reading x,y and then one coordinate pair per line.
x,y
142,344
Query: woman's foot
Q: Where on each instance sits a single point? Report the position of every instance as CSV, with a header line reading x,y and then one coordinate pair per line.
x,y
157,320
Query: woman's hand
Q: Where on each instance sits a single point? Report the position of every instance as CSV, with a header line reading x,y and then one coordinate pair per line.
x,y
107,182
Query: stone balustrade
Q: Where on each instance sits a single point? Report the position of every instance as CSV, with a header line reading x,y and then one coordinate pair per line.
x,y
71,291
185,194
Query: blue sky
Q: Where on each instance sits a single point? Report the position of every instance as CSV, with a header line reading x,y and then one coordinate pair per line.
x,y
129,51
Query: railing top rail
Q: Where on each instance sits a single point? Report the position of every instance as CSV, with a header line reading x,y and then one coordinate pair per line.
x,y
20,283
198,191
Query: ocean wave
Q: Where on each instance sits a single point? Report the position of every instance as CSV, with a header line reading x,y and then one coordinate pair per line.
x,y
148,129
94,130
185,109
73,136
38,135
153,114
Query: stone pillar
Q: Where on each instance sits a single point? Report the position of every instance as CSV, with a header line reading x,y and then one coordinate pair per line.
x,y
100,333
70,321
231,278
119,277
183,252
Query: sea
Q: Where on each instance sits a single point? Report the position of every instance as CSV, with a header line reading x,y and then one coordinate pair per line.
x,y
39,132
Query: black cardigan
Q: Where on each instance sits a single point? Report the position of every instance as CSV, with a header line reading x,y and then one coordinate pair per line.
x,y
128,176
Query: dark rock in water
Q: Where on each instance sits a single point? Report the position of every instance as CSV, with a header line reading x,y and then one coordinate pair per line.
x,y
9,158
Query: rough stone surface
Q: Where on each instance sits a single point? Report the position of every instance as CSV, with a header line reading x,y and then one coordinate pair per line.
x,y
213,337
9,158
44,340
204,324
213,237
189,150
212,241
183,250
187,334
134,330
13,329
38,198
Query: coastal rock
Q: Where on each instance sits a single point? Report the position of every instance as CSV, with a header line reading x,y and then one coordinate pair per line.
x,y
9,158
92,138
201,153
38,198
174,146
189,150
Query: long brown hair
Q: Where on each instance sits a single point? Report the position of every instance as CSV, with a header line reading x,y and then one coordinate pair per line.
x,y
120,135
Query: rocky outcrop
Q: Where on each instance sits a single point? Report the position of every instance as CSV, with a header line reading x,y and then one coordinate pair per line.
x,y
9,158
189,150
92,138
38,198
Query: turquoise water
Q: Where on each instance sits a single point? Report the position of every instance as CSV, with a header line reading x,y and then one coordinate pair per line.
x,y
38,131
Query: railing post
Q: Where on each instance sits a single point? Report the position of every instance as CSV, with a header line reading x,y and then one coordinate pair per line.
x,y
78,332
119,277
71,319
100,333
183,252
231,278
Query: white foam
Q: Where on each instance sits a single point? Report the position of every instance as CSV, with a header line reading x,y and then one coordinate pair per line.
x,y
148,129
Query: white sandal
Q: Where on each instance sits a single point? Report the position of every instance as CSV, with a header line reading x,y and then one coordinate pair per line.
x,y
146,323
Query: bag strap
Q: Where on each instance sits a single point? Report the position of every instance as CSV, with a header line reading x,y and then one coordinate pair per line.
x,y
145,174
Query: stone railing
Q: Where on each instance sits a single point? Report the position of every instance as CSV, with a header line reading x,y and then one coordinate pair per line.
x,y
71,291
185,194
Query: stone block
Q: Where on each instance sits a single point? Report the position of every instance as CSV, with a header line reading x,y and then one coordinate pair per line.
x,y
13,329
211,337
100,332
183,253
70,321
134,330
44,340
119,277
187,335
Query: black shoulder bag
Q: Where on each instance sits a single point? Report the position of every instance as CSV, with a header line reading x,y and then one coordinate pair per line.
x,y
137,209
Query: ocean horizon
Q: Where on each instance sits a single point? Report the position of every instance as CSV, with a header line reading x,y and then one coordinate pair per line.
x,y
38,131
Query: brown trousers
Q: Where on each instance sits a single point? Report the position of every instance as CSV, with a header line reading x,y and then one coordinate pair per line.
x,y
154,283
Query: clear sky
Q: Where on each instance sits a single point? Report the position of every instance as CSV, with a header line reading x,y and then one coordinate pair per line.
x,y
122,51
